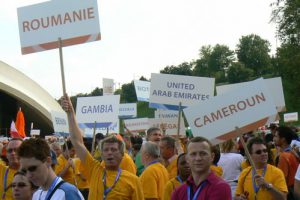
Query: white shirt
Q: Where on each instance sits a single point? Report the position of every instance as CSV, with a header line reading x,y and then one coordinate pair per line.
x,y
59,194
297,176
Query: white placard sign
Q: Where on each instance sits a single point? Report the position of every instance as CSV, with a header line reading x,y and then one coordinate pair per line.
x,y
248,108
167,90
127,110
137,125
103,110
108,86
290,117
34,132
274,86
170,125
142,90
165,114
74,21
60,122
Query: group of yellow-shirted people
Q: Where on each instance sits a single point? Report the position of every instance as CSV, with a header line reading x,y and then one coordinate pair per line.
x,y
161,168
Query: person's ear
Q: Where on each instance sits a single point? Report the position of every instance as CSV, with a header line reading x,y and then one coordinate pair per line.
x,y
48,161
212,157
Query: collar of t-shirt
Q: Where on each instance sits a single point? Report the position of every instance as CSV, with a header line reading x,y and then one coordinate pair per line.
x,y
210,179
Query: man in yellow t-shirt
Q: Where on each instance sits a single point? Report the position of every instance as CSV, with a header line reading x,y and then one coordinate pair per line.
x,y
65,167
155,176
7,172
169,156
110,182
184,172
267,182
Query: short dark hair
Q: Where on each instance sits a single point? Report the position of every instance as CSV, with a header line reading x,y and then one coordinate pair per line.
x,y
181,155
287,133
152,129
113,139
201,139
169,141
34,148
255,140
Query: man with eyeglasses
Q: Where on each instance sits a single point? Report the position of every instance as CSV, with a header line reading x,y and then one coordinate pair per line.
x,y
109,182
267,182
35,160
7,172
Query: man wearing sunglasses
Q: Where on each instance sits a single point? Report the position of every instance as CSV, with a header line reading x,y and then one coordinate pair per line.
x,y
35,160
110,182
7,172
267,182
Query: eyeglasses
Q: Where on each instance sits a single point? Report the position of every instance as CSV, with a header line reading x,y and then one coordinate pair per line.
x,y
11,150
258,152
30,169
20,185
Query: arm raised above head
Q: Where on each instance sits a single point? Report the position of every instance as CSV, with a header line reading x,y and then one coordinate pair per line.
x,y
75,131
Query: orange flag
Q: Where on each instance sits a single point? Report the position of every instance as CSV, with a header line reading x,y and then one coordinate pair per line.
x,y
20,123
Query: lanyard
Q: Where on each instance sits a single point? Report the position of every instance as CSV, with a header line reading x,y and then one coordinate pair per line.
x,y
50,189
179,179
5,183
195,196
107,190
255,187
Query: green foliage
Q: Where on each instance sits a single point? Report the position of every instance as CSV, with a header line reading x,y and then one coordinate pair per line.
x,y
182,69
253,52
237,73
128,93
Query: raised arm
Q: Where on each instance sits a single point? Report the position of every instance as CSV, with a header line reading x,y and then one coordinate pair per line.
x,y
75,131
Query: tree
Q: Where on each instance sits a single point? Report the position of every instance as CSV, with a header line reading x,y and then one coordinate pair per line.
x,y
253,52
182,69
237,73
128,93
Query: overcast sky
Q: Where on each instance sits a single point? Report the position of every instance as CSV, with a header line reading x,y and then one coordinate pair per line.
x,y
139,37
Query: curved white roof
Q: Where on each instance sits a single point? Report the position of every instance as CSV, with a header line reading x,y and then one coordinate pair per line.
x,y
18,85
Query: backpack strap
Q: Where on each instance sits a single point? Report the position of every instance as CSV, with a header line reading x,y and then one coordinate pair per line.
x,y
56,187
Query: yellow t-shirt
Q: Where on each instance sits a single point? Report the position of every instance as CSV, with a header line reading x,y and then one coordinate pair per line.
x,y
127,187
217,170
10,177
170,187
81,184
273,175
172,168
126,164
154,179
69,175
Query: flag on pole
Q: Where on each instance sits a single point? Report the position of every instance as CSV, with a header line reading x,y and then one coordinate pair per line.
x,y
20,123
13,131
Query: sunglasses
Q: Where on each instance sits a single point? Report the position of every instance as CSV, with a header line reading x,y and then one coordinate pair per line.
x,y
11,150
29,169
258,152
20,185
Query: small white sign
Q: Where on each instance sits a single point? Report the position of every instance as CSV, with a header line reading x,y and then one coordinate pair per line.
x,y
127,110
74,21
103,110
142,90
169,125
290,117
108,86
34,132
137,125
60,122
166,114
248,108
170,90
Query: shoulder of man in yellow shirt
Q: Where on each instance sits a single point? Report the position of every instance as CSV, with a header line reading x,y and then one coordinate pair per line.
x,y
10,176
172,168
273,175
154,179
170,187
127,187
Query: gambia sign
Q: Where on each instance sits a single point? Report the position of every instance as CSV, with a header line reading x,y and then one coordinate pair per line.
x,y
103,110
247,107
74,21
167,91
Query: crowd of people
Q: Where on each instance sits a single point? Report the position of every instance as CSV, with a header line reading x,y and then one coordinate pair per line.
x,y
159,167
